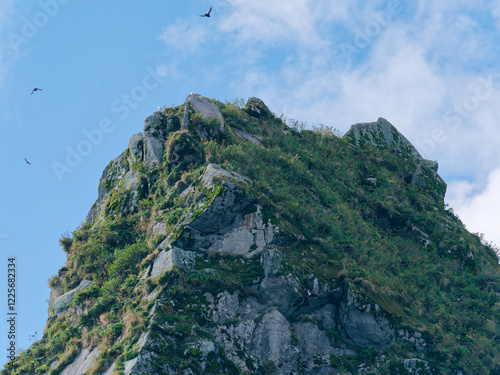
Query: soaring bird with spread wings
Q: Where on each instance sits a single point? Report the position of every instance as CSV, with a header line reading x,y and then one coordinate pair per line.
x,y
27,162
207,14
36,89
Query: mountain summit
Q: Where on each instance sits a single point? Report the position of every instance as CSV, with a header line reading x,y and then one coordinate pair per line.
x,y
223,241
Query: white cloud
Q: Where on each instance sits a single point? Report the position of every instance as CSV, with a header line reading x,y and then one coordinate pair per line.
x,y
478,208
294,21
398,84
186,36
6,9
496,12
169,71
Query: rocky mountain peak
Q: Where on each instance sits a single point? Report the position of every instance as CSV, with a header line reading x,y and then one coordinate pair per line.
x,y
224,242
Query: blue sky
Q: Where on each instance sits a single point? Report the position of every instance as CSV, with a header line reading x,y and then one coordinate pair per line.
x,y
429,67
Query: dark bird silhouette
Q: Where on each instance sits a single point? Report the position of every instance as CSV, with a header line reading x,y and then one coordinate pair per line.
x,y
207,14
27,162
37,89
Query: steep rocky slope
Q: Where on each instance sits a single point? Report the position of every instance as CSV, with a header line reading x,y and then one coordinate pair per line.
x,y
224,242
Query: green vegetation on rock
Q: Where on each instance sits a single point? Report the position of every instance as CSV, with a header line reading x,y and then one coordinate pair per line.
x,y
248,233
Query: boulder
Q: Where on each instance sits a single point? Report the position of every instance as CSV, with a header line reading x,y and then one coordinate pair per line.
x,y
197,104
167,259
255,107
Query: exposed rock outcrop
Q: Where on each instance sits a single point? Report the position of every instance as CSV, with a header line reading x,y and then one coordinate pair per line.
x,y
417,366
383,134
197,104
365,323
62,303
255,107
154,135
136,147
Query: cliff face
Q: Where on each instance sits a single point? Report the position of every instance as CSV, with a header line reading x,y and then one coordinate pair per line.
x,y
224,242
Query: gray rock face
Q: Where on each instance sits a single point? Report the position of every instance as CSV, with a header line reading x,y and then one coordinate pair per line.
x,y
221,224
282,293
365,323
381,134
167,259
247,327
155,135
82,363
142,364
253,334
247,236
195,103
135,146
271,262
223,211
95,210
316,347
62,303
55,292
250,331
272,341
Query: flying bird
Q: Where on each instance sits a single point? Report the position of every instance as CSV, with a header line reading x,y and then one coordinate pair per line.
x,y
27,162
36,89
207,14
